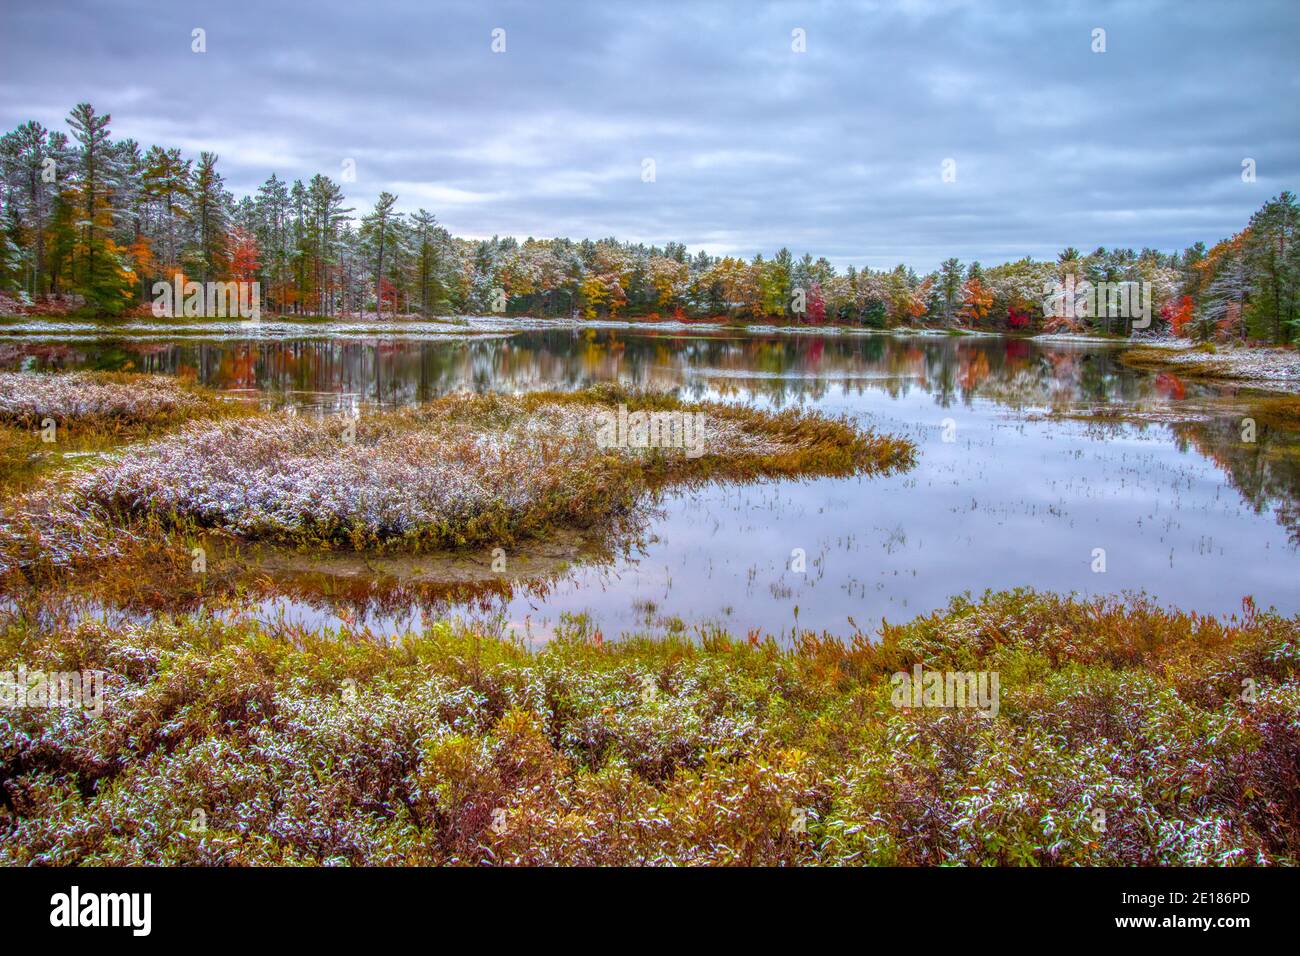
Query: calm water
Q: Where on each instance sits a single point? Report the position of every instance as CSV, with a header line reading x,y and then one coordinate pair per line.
x,y
1016,495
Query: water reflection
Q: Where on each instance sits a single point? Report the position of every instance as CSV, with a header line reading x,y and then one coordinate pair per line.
x,y
779,368
1021,494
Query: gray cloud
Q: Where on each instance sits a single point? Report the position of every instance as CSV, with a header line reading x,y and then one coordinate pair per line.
x,y
836,151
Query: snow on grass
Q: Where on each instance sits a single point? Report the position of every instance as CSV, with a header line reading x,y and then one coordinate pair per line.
x,y
289,478
1272,368
694,748
27,398
462,470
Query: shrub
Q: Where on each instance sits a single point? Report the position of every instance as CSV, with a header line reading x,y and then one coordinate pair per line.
x,y
1122,739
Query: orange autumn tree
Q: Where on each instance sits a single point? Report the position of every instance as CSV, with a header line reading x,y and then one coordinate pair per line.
x,y
1178,313
906,303
977,300
669,279
141,256
1219,287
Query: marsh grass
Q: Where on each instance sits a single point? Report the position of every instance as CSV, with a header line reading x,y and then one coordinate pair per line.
x,y
1274,368
458,746
20,450
101,402
1158,359
91,413
461,471
1277,411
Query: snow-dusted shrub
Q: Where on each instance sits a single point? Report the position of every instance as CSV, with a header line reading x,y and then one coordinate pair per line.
x,y
28,399
465,469
1122,740
391,479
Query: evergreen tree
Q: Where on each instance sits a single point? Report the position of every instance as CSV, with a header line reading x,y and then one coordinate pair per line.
x,y
211,219
948,288
31,162
1271,256
100,272
374,230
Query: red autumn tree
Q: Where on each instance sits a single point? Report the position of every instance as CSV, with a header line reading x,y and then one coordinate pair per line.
x,y
387,295
816,304
243,255
1178,313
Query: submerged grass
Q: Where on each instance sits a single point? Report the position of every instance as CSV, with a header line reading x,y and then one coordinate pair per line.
x,y
1279,413
1124,736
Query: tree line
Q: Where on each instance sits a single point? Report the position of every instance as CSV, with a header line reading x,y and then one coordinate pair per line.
x,y
95,221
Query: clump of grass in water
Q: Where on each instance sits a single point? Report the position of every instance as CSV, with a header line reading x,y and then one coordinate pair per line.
x,y
1277,411
1159,359
664,750
463,470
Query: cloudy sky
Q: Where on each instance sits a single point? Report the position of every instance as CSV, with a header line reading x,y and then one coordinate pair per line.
x,y
838,150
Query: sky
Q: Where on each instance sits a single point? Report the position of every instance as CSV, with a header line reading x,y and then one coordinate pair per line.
x,y
838,150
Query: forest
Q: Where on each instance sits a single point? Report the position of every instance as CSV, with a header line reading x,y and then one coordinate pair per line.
x,y
89,223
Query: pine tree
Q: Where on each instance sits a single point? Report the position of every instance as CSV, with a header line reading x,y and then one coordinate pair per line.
x,y
424,224
100,272
948,288
210,204
31,158
374,229
166,183
324,219
1271,255
273,208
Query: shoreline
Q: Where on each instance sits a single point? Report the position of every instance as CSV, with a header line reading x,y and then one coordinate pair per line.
x,y
1272,369
1264,367
35,324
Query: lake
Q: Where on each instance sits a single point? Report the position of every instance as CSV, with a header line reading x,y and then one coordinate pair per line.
x,y
1023,473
